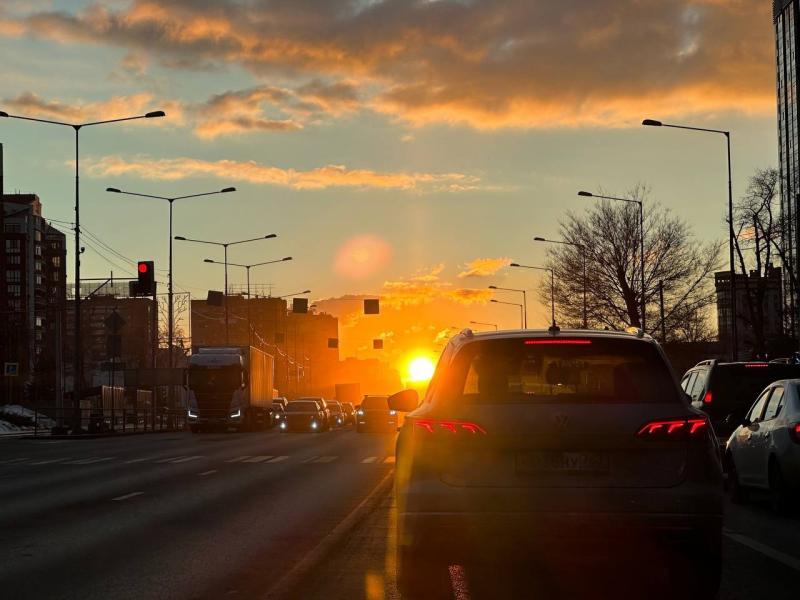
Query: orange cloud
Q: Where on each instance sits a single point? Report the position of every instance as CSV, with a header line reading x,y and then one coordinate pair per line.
x,y
485,64
483,267
320,178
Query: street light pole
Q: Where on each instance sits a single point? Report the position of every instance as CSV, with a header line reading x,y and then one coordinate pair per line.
x,y
225,246
247,267
643,321
524,301
552,286
521,321
731,232
583,256
486,324
170,294
77,383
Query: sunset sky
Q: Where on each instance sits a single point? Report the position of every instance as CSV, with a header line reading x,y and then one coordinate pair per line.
x,y
403,148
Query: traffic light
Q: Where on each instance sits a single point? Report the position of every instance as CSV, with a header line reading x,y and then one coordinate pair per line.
x,y
147,281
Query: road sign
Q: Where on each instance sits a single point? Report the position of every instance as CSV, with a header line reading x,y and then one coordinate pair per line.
x,y
11,369
113,346
333,343
377,344
114,322
300,305
372,306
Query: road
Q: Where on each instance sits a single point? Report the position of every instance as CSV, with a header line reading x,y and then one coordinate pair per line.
x,y
230,516
175,515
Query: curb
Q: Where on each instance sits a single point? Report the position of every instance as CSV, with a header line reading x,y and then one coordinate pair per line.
x,y
285,584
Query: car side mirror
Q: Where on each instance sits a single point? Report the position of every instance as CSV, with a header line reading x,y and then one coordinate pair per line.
x,y
746,422
688,397
404,401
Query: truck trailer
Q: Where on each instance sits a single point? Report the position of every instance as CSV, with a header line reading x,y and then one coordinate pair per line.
x,y
230,388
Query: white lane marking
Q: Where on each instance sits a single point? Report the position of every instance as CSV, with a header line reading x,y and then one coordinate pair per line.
x,y
370,459
126,496
257,459
277,459
90,461
204,473
51,461
325,459
168,459
310,459
238,458
13,460
389,460
786,559
136,460
185,459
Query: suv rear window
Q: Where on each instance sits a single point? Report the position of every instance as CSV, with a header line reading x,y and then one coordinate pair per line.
x,y
734,387
559,370
375,402
302,406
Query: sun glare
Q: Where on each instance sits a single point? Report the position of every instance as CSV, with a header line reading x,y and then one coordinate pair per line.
x,y
420,369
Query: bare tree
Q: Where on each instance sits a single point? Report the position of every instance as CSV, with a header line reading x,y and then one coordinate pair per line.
x,y
609,233
181,303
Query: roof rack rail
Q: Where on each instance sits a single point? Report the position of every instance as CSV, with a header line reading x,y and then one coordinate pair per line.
x,y
708,362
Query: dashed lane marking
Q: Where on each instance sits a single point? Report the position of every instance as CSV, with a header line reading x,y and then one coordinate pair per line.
x,y
325,459
277,459
91,461
238,459
13,460
209,472
257,459
370,459
786,559
168,459
126,496
185,459
389,460
51,461
136,460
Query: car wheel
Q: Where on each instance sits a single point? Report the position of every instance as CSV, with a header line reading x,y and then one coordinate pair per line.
x,y
779,494
738,493
420,577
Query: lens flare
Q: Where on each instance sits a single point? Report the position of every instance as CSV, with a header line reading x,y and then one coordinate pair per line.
x,y
420,369
361,256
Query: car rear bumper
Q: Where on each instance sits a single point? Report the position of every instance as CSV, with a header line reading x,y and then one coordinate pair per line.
x,y
575,535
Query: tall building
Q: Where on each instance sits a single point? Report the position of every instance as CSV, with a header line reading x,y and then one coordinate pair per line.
x,y
786,18
32,301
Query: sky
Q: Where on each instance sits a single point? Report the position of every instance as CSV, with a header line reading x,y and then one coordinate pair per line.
x,y
407,149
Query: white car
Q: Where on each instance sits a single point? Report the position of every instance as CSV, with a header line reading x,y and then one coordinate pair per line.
x,y
764,451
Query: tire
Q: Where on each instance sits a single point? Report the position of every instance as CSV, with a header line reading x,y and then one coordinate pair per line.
x,y
420,577
779,497
739,494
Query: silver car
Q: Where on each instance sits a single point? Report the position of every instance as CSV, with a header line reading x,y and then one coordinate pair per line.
x,y
764,451
566,447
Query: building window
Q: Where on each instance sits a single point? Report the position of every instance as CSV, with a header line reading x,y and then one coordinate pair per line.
x,y
38,279
12,246
37,235
37,250
14,259
14,290
56,261
11,228
38,266
13,276
56,276
38,321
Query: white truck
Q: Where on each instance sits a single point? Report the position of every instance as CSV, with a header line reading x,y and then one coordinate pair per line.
x,y
230,388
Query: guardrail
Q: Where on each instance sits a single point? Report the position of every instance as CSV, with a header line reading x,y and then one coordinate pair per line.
x,y
107,421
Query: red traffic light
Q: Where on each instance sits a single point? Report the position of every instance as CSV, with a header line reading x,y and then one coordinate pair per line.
x,y
142,267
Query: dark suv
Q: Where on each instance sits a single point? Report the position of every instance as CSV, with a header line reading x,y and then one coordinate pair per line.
x,y
560,448
726,390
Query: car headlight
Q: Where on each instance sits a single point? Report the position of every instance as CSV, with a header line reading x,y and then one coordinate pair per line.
x,y
236,414
283,424
392,413
192,414
360,413
313,424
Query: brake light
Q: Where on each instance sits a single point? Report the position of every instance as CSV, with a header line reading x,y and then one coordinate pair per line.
x,y
756,365
442,426
558,342
668,429
794,431
707,398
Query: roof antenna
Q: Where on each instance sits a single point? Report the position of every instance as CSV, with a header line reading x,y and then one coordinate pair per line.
x,y
554,329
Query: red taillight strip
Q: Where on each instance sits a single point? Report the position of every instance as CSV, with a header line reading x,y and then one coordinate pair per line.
x,y
672,427
435,425
756,365
560,342
708,397
794,431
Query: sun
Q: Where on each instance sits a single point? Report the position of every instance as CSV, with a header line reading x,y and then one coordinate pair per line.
x,y
420,369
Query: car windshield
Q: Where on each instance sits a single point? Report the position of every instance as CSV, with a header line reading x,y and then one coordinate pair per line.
x,y
605,371
214,378
302,406
735,387
375,403
335,408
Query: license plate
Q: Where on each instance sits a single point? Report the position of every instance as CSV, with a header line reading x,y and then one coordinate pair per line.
x,y
562,462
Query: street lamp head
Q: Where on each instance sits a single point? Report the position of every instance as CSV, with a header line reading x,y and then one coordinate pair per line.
x,y
270,236
154,114
115,190
180,237
586,194
208,260
227,189
652,123
493,300
287,258
306,292
3,113
514,265
492,287
539,239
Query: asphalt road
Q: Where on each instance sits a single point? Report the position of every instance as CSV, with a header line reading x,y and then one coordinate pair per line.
x,y
231,515
175,515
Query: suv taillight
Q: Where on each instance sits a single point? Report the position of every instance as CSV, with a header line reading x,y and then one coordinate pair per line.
x,y
794,432
443,426
708,398
673,429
